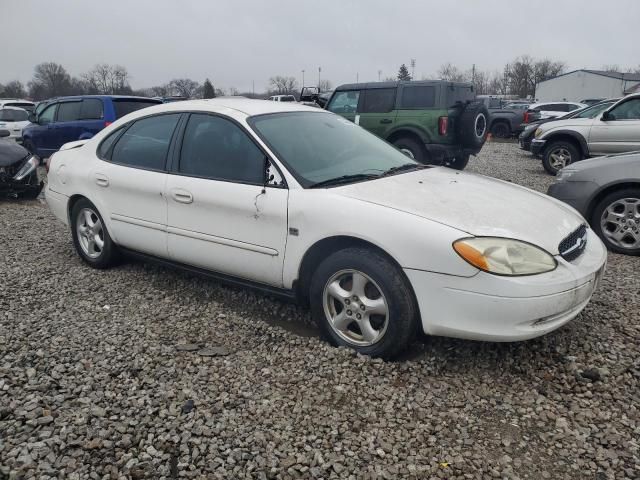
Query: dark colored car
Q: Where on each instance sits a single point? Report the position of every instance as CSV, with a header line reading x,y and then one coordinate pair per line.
x,y
18,170
589,112
606,191
67,119
432,121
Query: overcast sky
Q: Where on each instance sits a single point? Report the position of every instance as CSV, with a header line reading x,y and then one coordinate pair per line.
x,y
235,42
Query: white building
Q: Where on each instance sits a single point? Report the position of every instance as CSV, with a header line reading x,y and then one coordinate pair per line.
x,y
587,84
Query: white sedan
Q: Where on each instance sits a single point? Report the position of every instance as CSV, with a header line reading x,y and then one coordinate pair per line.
x,y
14,119
301,202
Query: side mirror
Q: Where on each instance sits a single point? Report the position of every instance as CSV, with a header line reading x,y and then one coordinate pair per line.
x,y
606,116
4,133
33,118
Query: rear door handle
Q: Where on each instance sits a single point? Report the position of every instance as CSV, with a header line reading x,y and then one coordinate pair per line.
x,y
181,196
102,180
386,120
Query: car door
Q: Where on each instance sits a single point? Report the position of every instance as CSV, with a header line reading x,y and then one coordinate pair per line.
x,y
221,215
417,108
345,103
67,128
617,129
42,134
129,183
377,112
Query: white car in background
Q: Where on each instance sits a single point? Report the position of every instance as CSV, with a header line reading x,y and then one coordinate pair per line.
x,y
301,202
28,105
553,109
14,119
282,98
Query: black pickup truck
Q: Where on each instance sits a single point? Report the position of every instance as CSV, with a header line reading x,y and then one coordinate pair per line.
x,y
505,120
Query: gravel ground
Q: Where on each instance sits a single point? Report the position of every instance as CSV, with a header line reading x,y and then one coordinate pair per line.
x,y
102,376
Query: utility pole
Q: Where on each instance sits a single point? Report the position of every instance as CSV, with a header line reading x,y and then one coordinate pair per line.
x,y
319,71
357,77
303,78
413,67
379,73
253,87
473,74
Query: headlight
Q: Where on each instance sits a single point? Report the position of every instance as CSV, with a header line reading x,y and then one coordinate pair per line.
x,y
564,174
504,256
538,132
28,167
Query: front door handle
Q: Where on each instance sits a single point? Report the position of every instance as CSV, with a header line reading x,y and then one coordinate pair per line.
x,y
181,196
386,120
102,180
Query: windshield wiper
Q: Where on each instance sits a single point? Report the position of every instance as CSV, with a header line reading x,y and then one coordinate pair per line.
x,y
344,179
402,168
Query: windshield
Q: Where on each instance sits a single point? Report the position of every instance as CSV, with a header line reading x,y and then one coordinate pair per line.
x,y
13,115
593,111
317,147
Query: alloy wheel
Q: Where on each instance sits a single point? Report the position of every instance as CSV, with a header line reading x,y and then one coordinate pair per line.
x,y
356,308
620,223
90,232
559,158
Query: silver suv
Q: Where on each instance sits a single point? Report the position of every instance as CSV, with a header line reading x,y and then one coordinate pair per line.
x,y
616,130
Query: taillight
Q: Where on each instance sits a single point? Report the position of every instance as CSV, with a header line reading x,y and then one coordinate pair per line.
x,y
526,117
106,124
443,124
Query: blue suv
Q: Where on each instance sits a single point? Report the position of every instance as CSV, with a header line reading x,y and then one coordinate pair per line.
x,y
67,119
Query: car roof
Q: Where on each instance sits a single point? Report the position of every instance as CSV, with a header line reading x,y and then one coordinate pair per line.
x,y
12,100
413,83
113,97
246,106
9,107
533,105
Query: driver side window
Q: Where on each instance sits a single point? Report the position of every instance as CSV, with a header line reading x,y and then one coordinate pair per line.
x,y
47,115
345,102
627,111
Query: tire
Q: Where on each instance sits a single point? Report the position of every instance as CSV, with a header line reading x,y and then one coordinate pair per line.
x,y
458,163
624,202
558,155
33,194
501,130
88,247
412,149
472,126
382,287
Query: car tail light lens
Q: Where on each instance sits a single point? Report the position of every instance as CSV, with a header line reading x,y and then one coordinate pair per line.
x,y
443,125
526,117
106,124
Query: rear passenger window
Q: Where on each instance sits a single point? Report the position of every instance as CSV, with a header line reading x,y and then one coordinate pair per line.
x,y
216,148
124,107
91,109
68,111
146,143
379,100
104,150
418,97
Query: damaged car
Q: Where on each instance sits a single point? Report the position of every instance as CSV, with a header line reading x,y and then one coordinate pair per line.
x,y
18,170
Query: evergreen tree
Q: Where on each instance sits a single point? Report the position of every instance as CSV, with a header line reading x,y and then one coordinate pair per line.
x,y
403,73
208,90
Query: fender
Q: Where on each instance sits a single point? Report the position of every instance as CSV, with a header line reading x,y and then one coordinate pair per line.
x,y
85,136
584,147
422,135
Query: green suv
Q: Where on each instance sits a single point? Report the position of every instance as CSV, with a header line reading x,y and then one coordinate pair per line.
x,y
434,122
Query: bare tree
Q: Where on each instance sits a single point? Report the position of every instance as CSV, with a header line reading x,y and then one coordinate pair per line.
x,y
325,85
185,87
161,90
611,68
451,73
481,82
49,80
107,79
279,85
14,89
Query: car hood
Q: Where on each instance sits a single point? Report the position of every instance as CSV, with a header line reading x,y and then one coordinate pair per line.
x,y
11,152
475,204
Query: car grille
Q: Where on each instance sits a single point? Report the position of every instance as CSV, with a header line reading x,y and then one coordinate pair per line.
x,y
574,244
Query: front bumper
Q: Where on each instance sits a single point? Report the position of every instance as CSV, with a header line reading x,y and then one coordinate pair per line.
x,y
504,309
537,146
576,194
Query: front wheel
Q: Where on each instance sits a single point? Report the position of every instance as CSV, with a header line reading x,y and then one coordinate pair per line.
x,y
361,300
90,236
616,220
458,163
558,155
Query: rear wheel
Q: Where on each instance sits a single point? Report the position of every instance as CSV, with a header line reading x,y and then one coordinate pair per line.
x,y
458,163
90,236
616,220
558,155
361,300
501,130
412,149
